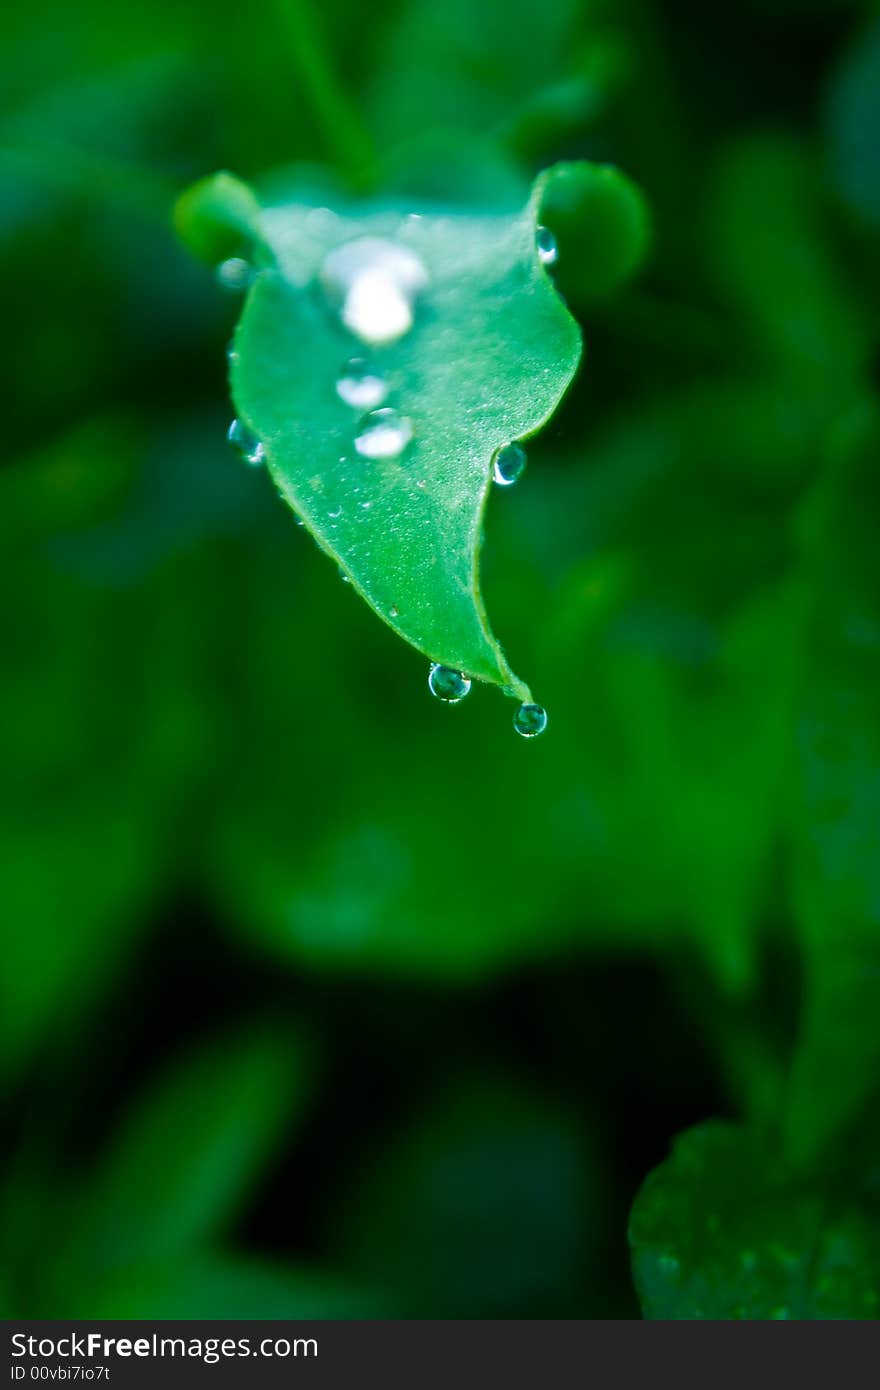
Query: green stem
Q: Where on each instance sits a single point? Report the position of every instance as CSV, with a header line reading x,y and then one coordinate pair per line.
x,y
346,138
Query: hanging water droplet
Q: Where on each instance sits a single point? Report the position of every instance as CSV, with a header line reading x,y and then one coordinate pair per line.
x,y
235,273
383,434
246,444
509,464
447,685
346,579
530,720
545,241
373,285
360,385
231,351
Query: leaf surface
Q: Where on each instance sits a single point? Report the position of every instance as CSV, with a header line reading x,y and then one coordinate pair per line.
x,y
720,1231
488,356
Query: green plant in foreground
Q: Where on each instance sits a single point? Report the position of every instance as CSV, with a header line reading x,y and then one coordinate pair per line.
x,y
385,366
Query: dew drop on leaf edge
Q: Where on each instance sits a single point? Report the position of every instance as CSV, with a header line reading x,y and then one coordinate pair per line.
x,y
530,720
360,385
235,274
383,434
548,251
509,465
448,685
246,444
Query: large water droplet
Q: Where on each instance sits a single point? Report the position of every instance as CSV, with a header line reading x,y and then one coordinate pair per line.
x,y
383,434
447,685
246,444
373,285
360,385
530,720
545,241
235,273
509,464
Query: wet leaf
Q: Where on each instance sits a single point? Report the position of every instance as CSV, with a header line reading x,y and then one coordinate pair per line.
x,y
459,319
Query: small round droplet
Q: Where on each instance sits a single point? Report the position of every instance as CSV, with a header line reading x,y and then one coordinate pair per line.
x,y
394,611
360,385
545,241
509,464
383,434
373,283
235,273
231,351
447,685
530,720
246,444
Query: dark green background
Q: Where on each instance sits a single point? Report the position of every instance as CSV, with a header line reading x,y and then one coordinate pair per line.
x,y
318,998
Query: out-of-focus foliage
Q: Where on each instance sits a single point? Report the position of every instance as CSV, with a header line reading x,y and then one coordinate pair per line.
x,y
721,1231
320,998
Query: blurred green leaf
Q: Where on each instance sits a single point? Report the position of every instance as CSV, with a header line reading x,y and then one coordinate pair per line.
x,y
481,1203
721,1230
490,354
510,71
770,253
79,478
102,718
837,822
188,1152
852,121
601,223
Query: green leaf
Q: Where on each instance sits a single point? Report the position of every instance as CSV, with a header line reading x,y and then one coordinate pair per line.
x,y
434,72
189,1151
773,257
720,1230
490,353
836,831
483,1202
852,123
602,226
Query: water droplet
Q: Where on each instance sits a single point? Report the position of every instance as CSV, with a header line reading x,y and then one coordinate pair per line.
x,y
335,513
373,285
530,720
231,351
360,385
394,611
447,685
235,273
383,434
509,464
346,579
548,251
246,444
